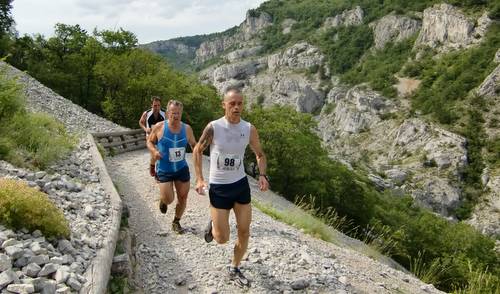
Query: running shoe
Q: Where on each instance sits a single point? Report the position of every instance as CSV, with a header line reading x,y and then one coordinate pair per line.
x,y
176,227
208,232
163,207
237,276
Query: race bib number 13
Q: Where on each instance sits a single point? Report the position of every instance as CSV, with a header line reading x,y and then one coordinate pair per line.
x,y
228,162
176,154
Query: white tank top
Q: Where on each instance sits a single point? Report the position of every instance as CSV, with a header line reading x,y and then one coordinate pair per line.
x,y
228,150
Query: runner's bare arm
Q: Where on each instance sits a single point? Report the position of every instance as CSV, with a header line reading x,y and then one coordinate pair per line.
x,y
205,141
261,158
190,137
142,121
153,139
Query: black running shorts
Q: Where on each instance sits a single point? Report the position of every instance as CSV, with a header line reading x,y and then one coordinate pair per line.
x,y
224,196
180,175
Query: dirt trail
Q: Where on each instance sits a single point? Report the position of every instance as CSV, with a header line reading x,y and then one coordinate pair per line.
x,y
280,259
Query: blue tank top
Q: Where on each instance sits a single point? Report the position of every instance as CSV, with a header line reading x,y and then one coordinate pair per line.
x,y
172,147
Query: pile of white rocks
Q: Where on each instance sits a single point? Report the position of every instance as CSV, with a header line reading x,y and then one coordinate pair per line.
x,y
28,261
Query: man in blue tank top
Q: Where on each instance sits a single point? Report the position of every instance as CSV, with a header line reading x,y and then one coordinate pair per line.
x,y
228,138
167,142
148,119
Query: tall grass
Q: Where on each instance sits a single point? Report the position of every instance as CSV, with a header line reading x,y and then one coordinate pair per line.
x,y
31,140
430,273
480,281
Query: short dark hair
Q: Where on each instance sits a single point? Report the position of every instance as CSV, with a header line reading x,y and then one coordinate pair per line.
x,y
235,89
155,98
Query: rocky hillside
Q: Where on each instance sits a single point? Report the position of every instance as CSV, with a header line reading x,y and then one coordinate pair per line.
x,y
398,147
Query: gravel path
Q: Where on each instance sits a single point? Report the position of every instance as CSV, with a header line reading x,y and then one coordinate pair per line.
x,y
280,258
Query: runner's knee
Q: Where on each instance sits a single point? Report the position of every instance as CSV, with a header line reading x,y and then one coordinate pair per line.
x,y
220,238
243,233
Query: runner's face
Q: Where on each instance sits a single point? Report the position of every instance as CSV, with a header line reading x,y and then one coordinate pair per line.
x,y
156,106
174,114
233,105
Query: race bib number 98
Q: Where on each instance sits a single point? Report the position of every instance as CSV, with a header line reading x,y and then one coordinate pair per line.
x,y
228,162
176,154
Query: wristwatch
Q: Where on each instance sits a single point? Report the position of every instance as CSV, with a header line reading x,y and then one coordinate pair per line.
x,y
265,176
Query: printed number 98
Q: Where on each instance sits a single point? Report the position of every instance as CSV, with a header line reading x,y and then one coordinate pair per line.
x,y
229,162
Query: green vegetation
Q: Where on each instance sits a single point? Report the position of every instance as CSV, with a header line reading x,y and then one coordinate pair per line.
x,y
295,154
25,207
28,139
119,285
298,218
471,185
310,15
351,43
6,22
379,68
107,74
412,236
448,80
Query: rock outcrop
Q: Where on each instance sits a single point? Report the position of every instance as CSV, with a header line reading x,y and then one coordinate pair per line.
x,y
250,27
299,56
356,124
446,27
346,18
394,28
170,46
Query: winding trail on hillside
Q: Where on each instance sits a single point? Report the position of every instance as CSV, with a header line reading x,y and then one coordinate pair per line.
x,y
280,257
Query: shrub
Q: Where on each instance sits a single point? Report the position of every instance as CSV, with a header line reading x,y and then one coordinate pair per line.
x,y
25,207
39,137
11,100
449,79
378,69
344,46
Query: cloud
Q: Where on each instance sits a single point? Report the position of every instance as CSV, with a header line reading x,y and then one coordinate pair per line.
x,y
149,20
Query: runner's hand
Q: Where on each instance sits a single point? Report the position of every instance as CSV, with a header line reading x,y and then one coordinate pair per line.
x,y
157,155
201,187
263,183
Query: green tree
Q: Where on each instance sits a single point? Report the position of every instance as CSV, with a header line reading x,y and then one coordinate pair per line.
x,y
6,22
298,165
118,41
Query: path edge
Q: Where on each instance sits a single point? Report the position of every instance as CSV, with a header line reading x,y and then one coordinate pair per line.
x,y
98,272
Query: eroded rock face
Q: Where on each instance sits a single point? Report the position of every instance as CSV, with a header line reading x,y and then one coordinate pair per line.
x,y
394,28
354,126
446,27
299,56
251,26
164,46
346,18
298,92
491,85
357,110
287,25
242,53
485,216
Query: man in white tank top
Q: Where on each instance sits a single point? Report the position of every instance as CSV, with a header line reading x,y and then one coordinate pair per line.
x,y
228,138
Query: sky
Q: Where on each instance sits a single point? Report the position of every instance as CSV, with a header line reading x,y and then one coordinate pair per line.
x,y
149,20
